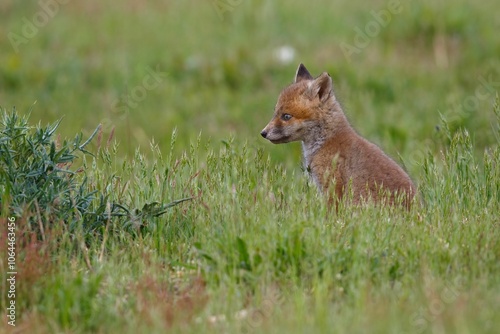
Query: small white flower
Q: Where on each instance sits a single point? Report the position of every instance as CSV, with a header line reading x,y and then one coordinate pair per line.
x,y
242,314
216,318
285,54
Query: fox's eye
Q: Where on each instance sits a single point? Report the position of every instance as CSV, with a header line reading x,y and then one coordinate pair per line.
x,y
286,117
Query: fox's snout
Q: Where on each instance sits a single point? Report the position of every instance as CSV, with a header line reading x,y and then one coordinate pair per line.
x,y
269,134
279,134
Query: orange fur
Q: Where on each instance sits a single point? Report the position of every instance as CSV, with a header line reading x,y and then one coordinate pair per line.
x,y
334,153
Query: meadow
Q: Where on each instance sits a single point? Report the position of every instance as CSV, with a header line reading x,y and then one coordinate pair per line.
x,y
154,205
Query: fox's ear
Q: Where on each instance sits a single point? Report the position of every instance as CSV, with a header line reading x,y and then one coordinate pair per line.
x,y
322,87
302,74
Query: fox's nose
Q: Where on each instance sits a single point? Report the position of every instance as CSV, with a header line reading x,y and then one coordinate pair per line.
x,y
263,133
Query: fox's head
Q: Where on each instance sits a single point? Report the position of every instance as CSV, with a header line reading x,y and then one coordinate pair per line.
x,y
300,108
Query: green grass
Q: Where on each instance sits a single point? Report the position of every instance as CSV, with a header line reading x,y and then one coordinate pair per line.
x,y
256,250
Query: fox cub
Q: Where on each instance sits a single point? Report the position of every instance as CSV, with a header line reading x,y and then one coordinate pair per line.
x,y
334,154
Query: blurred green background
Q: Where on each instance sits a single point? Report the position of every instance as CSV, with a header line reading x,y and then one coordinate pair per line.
x,y
255,226
221,64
